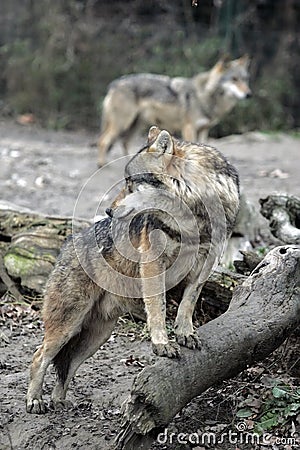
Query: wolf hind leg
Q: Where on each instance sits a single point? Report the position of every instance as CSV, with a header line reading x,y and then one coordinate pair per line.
x,y
61,325
132,139
77,350
96,330
119,113
52,344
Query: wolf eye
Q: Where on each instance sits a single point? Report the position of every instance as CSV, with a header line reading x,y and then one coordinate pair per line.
x,y
234,79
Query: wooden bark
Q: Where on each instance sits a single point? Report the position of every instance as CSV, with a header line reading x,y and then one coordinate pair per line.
x,y
262,313
248,263
283,214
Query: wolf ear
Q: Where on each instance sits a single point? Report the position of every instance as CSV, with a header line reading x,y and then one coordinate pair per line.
x,y
244,60
218,67
152,134
215,73
222,64
163,144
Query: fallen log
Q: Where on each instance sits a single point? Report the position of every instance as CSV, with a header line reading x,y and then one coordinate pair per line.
x,y
29,245
263,311
283,214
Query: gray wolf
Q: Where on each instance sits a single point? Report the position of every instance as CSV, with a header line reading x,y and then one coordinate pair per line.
x,y
166,228
189,106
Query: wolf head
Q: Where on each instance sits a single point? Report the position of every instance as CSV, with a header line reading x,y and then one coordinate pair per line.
x,y
232,77
140,174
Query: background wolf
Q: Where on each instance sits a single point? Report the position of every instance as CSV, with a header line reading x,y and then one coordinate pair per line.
x,y
168,225
190,106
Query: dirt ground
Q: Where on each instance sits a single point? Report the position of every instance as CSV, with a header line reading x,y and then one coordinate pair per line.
x,y
46,171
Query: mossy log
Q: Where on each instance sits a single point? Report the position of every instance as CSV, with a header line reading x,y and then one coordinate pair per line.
x,y
29,245
262,313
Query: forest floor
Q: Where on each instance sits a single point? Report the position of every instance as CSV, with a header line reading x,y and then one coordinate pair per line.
x,y
55,173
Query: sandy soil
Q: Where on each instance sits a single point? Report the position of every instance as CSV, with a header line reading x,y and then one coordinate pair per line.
x,y
46,171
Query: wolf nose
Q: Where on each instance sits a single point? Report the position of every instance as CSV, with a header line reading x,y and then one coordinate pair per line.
x,y
249,95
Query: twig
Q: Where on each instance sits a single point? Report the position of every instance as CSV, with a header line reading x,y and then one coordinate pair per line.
x,y
9,283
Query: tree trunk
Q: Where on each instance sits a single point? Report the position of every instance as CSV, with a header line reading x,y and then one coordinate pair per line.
x,y
262,313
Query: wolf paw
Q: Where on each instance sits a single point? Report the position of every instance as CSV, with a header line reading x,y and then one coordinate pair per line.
x,y
191,341
36,406
170,350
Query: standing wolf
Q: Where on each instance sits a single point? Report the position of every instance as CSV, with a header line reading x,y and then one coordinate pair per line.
x,y
190,106
168,226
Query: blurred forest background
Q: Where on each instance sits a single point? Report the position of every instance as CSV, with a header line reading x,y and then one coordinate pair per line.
x,y
57,57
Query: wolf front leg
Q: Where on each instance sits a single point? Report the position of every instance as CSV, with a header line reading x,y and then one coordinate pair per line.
x,y
152,274
184,330
202,135
203,267
196,131
154,297
189,132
